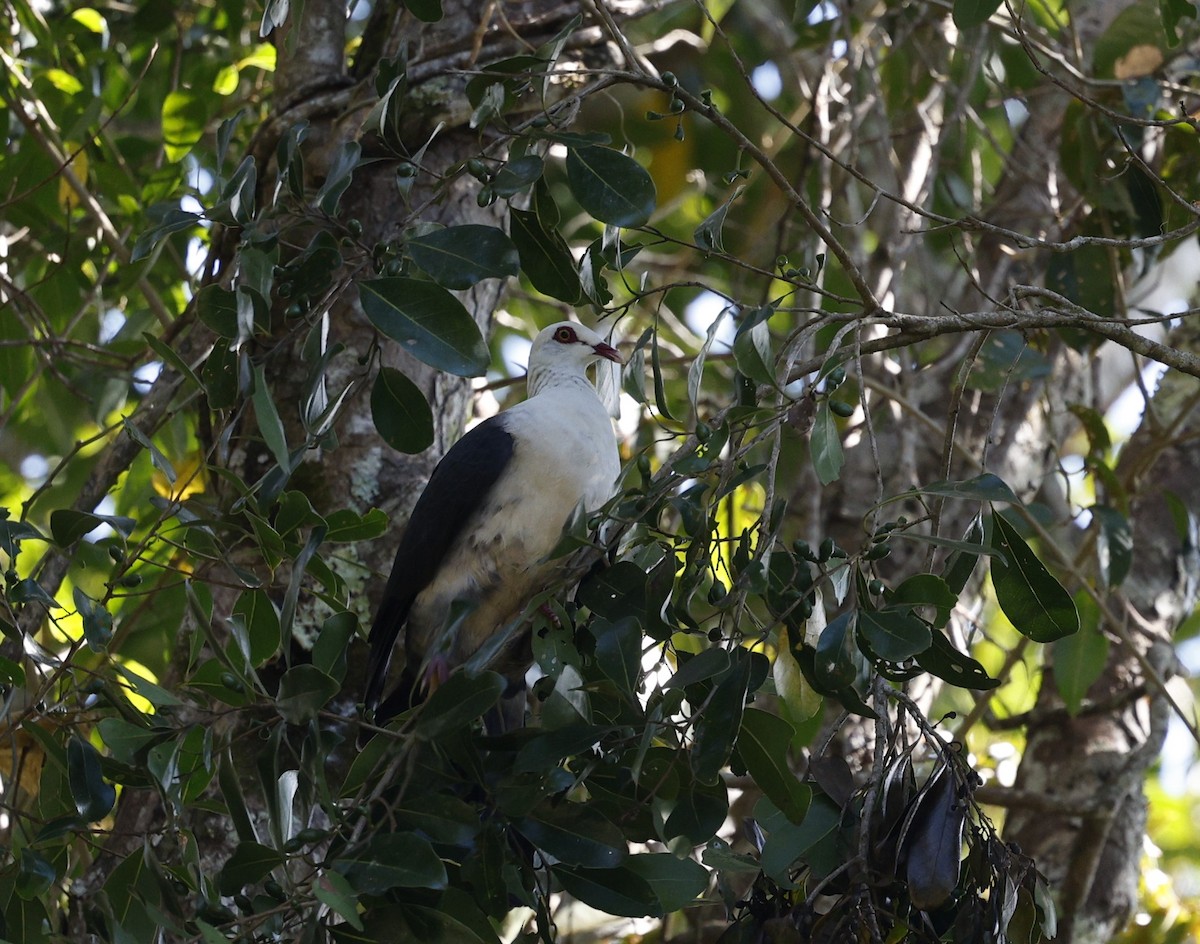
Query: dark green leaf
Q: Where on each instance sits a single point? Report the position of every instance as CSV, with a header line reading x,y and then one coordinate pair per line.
x,y
220,376
703,665
926,590
458,257
752,352
699,811
708,234
458,702
170,357
950,665
337,180
428,11
1080,658
97,621
893,635
401,413
345,526
675,882
986,487
720,719
329,651
126,740
35,877
1034,602
619,652
763,746
431,323
68,526
611,186
961,563
303,691
393,860
545,257
250,863
615,891
574,834
833,662
517,175
1114,544
788,842
269,423
333,891
93,797
825,444
970,13
660,390
260,621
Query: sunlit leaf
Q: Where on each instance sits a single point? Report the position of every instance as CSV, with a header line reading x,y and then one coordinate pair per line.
x,y
1032,599
429,322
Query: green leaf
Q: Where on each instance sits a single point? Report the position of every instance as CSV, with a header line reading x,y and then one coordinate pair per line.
x,y
720,719
706,664
303,691
763,746
833,662
345,526
93,797
825,444
545,257
427,11
971,13
35,877
752,353
333,891
250,863
184,116
986,487
1172,11
269,423
329,651
97,621
458,257
260,621
699,811
429,322
1034,602
458,702
950,665
517,175
338,179
789,842
675,882
893,635
619,652
393,860
1079,659
169,356
961,563
926,590
611,186
708,234
618,891
1114,544
126,740
67,525
574,834
171,220
401,413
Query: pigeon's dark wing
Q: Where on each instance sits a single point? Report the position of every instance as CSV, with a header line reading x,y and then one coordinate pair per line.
x,y
457,489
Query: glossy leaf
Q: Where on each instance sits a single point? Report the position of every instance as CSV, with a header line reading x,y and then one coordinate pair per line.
x,y
833,663
763,744
893,634
429,322
393,860
1079,659
675,882
574,834
458,701
1114,544
1032,599
932,843
950,665
67,525
825,445
251,862
93,797
545,257
716,728
401,413
458,257
269,423
303,691
616,891
611,186
971,13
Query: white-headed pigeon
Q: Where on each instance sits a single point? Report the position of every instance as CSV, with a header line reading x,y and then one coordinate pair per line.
x,y
493,510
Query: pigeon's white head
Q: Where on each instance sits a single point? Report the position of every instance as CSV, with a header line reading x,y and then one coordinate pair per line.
x,y
563,352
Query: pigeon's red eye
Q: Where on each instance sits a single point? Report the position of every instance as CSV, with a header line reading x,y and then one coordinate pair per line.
x,y
565,335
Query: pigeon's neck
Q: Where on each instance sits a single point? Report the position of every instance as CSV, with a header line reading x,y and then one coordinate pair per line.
x,y
553,377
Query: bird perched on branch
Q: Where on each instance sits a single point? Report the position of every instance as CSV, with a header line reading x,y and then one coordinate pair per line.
x,y
494,509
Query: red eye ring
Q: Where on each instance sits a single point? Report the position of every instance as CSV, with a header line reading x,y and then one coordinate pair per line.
x,y
565,335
